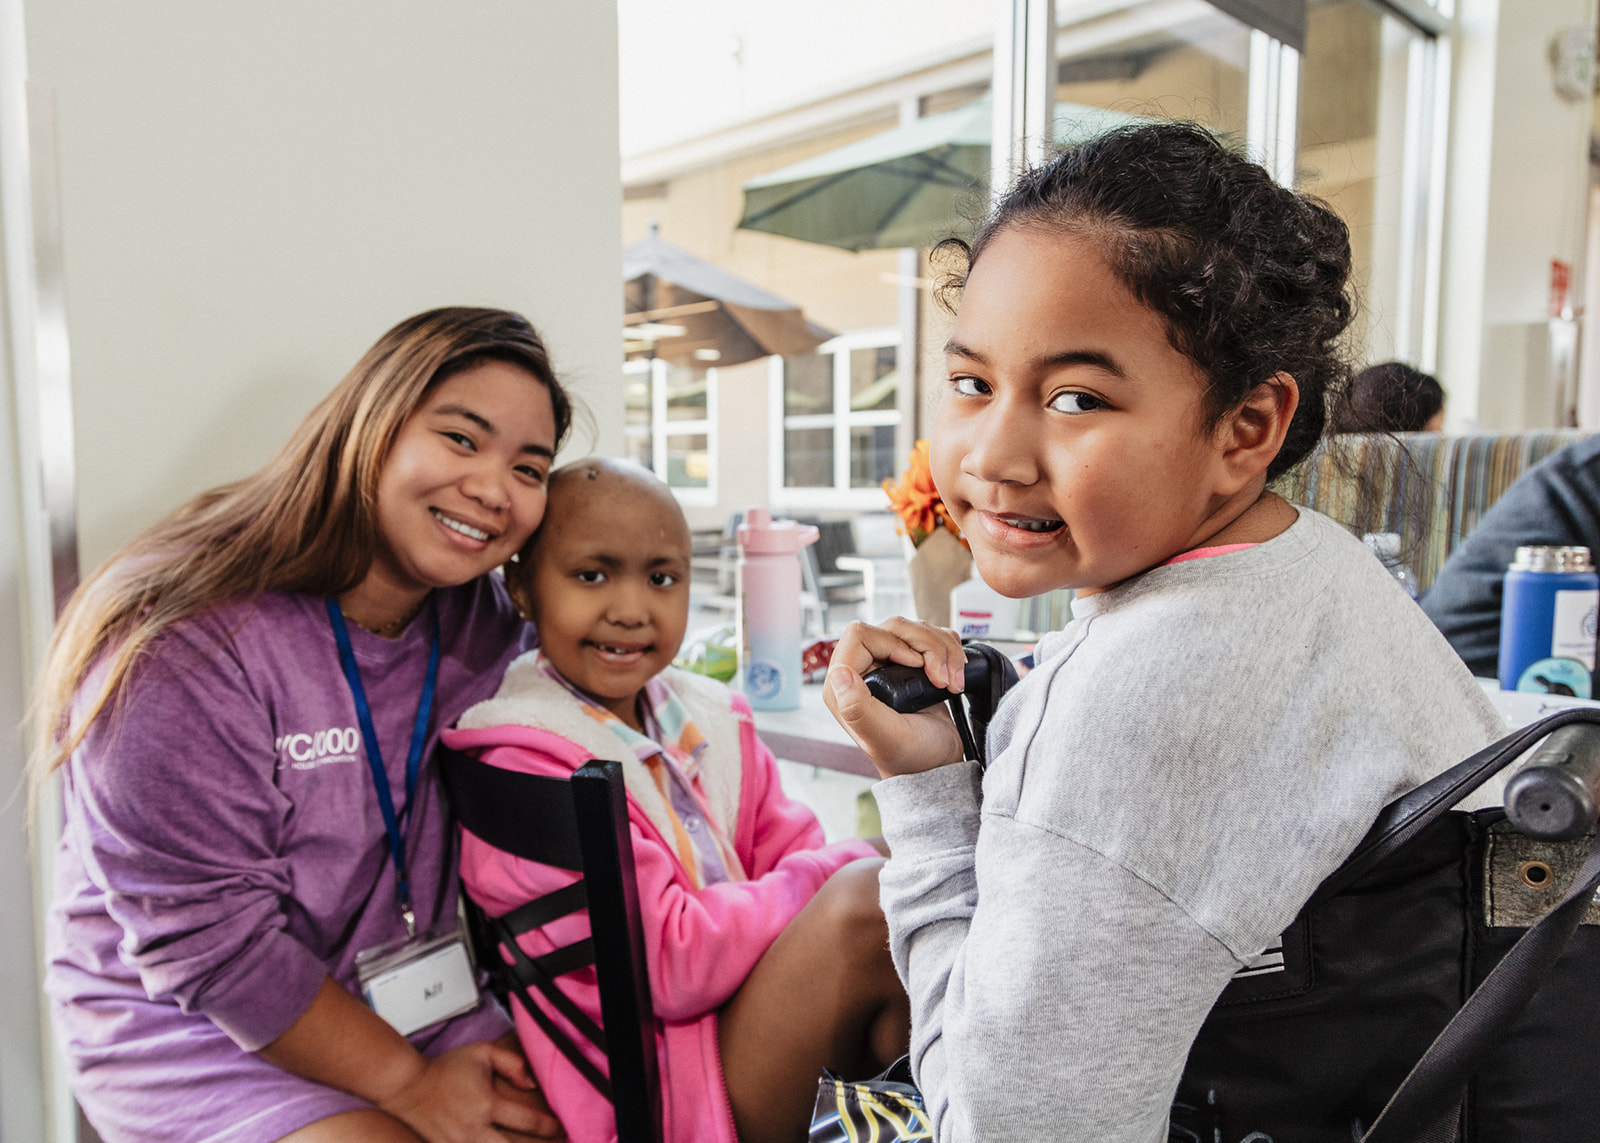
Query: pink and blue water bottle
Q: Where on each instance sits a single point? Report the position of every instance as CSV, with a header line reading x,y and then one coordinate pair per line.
x,y
1548,621
769,609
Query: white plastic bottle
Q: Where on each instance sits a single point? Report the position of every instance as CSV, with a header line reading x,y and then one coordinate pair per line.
x,y
769,609
978,611
1386,546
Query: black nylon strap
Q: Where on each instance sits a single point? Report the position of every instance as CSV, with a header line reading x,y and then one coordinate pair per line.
x,y
568,958
525,971
1445,1129
577,1059
982,698
1406,816
1410,814
970,749
1434,1089
542,910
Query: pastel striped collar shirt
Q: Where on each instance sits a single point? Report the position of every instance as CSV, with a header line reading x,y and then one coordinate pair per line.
x,y
671,751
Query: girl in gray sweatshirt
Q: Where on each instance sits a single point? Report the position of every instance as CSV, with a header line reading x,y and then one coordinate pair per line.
x,y
1147,337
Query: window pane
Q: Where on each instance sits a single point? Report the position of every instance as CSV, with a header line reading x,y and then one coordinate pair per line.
x,y
688,461
1352,152
807,385
686,394
1183,61
1339,75
871,455
873,382
636,400
637,448
808,458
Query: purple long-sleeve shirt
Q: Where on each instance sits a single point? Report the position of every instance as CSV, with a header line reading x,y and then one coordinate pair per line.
x,y
223,849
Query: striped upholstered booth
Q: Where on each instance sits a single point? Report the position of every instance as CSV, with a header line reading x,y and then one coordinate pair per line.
x,y
1431,488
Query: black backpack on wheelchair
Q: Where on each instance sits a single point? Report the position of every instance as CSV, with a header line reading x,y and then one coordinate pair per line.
x,y
1442,985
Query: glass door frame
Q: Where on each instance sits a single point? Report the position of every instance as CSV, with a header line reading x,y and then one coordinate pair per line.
x,y
1025,34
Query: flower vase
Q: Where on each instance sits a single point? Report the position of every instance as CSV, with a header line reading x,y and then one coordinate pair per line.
x,y
933,568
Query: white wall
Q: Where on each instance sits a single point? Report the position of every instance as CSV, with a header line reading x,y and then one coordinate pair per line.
x,y
24,1076
1517,198
253,193
250,195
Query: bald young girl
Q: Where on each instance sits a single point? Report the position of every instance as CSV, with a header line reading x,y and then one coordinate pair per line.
x,y
767,951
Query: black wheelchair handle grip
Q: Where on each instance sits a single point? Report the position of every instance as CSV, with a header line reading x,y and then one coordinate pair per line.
x,y
908,690
1556,794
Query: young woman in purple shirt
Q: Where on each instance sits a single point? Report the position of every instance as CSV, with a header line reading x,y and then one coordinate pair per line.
x,y
224,696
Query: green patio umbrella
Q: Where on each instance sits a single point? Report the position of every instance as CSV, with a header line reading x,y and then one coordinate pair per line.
x,y
908,186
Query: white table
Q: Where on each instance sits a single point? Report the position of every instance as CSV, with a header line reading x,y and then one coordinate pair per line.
x,y
1519,709
811,737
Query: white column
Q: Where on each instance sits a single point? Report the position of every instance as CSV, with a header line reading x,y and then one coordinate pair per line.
x,y
1024,88
35,477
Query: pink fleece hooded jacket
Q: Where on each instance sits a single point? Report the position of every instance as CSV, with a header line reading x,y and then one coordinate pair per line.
x,y
700,944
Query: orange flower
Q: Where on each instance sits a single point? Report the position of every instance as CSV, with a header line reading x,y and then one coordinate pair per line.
x,y
916,501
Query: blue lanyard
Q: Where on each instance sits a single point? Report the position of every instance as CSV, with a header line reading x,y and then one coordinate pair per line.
x,y
380,777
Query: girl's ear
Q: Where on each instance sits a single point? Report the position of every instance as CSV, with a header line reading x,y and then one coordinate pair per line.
x,y
519,584
1253,433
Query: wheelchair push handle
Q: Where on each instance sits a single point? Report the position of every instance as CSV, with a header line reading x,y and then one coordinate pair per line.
x,y
1556,794
908,690
988,675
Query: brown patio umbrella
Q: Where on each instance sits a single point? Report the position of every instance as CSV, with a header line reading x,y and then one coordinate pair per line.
x,y
723,319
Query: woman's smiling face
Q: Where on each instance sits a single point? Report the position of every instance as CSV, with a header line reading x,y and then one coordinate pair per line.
x,y
1070,445
464,482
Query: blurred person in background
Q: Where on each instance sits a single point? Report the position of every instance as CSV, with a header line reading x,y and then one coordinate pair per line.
x,y
1390,398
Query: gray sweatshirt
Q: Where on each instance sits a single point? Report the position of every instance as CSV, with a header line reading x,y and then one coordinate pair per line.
x,y
1195,752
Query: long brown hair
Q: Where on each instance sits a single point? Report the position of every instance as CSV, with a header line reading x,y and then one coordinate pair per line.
x,y
307,522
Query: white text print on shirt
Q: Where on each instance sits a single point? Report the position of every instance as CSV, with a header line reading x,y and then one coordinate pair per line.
x,y
322,748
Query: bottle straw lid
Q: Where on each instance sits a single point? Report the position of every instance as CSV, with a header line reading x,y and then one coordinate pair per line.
x,y
761,535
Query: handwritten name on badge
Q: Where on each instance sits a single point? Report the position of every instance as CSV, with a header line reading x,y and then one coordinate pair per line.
x,y
422,991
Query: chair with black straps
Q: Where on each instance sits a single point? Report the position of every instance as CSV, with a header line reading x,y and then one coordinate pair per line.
x,y
580,825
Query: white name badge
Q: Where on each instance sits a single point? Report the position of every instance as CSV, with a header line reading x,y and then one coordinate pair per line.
x,y
420,982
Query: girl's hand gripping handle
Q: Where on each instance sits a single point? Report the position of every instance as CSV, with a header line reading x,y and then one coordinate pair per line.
x,y
908,689
987,677
897,743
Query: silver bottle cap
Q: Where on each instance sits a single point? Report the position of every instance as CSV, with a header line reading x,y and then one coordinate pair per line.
x,y
1552,559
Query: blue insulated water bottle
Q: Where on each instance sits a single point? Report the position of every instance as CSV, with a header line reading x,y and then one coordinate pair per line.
x,y
1548,618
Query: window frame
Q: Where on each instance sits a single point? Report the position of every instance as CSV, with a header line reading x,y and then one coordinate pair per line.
x,y
660,429
840,495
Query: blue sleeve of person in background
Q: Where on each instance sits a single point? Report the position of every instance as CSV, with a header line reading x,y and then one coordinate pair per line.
x,y
1556,502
